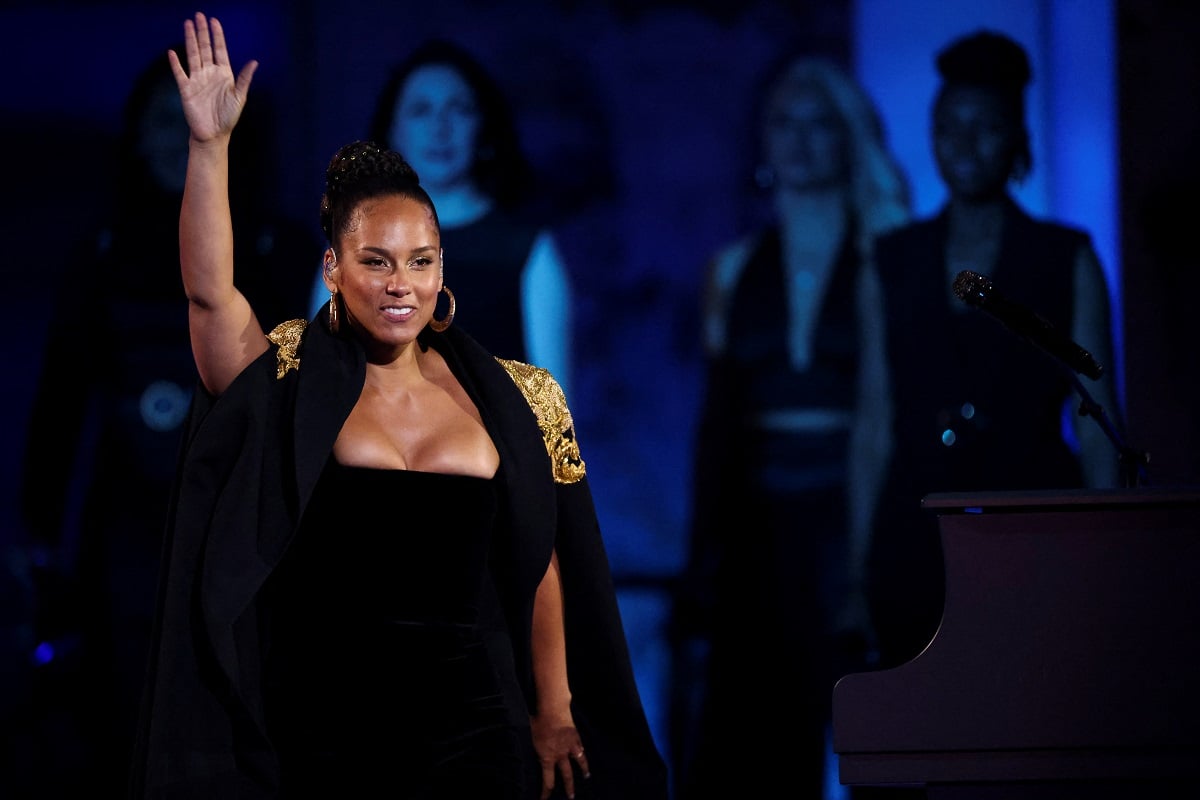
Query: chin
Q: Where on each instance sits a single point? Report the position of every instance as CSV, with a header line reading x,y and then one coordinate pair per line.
x,y
442,174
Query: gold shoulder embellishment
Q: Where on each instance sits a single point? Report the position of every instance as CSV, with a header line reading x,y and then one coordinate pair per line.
x,y
549,405
287,336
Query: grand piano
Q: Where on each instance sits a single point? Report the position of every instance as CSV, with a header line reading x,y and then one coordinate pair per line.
x,y
1067,662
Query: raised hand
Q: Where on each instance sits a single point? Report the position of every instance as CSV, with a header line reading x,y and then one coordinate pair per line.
x,y
212,99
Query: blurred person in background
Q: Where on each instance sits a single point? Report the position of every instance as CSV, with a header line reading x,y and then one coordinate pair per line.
x,y
103,438
789,449
976,408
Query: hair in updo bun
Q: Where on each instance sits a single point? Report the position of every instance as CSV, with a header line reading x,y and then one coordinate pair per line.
x,y
988,59
361,171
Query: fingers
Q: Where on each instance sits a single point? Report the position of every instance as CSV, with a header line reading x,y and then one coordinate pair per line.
x,y
568,773
219,52
560,752
221,58
244,77
176,67
190,47
551,769
195,44
568,776
204,41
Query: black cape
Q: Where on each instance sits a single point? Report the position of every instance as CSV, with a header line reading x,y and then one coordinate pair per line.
x,y
248,465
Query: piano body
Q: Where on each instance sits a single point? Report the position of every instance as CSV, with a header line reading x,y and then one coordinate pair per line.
x,y
1067,662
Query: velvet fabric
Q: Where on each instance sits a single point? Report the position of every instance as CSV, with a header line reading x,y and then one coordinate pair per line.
x,y
247,469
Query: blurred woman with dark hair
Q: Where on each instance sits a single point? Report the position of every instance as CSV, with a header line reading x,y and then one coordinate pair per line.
x,y
976,408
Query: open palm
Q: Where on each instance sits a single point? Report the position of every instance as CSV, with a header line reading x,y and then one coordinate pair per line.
x,y
212,99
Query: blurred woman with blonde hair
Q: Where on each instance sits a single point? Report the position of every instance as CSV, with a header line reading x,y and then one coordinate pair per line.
x,y
792,436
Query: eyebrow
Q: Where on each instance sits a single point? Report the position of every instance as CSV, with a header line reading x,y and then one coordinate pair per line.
x,y
383,251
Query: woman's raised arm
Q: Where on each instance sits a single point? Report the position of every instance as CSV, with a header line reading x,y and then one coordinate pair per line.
x,y
225,334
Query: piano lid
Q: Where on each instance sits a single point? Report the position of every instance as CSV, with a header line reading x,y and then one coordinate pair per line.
x,y
1067,649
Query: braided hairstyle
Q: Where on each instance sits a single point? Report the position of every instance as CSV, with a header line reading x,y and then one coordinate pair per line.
x,y
361,171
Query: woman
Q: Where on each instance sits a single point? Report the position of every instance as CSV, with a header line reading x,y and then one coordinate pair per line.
x,y
444,113
976,407
383,561
792,431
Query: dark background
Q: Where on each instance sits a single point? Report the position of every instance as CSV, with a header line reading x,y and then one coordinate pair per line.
x,y
637,115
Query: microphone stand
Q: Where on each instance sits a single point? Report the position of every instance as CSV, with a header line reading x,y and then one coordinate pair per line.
x,y
978,292
1132,462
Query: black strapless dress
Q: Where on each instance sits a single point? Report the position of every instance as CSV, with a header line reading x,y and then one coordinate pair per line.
x,y
378,679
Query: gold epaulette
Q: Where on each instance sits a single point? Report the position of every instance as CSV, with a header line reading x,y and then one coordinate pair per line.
x,y
549,405
287,336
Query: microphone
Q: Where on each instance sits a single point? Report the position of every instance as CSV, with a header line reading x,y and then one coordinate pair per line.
x,y
977,290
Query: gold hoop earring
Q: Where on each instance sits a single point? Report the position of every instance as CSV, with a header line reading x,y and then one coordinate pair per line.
x,y
440,325
333,315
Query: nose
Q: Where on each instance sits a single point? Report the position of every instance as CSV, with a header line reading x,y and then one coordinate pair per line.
x,y
444,121
398,283
956,145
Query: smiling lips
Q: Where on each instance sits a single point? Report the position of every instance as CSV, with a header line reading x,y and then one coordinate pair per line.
x,y
399,312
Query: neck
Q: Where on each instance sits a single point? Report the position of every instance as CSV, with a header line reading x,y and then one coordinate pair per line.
x,y
826,202
976,218
973,238
396,369
804,215
459,204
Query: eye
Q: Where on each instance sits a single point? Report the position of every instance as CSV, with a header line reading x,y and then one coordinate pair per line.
x,y
376,262
949,127
421,262
464,108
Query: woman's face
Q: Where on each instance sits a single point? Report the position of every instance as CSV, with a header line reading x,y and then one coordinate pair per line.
x,y
804,139
435,126
975,141
388,271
